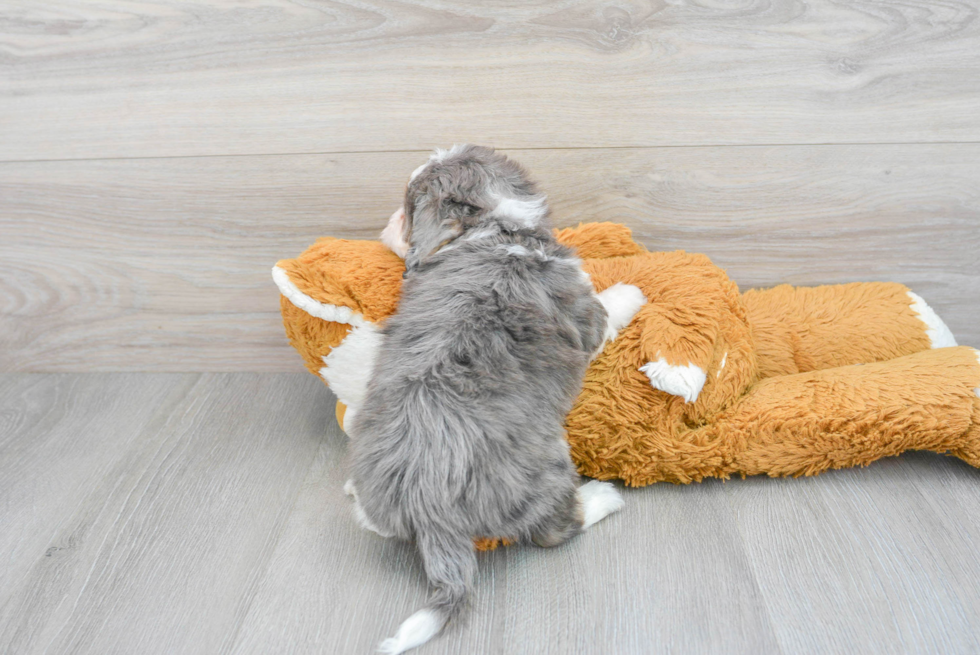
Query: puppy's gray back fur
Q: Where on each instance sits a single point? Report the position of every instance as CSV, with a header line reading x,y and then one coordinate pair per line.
x,y
461,433
463,421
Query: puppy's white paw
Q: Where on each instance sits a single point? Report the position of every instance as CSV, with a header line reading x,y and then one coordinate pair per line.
x,y
414,631
621,301
365,522
683,381
359,515
599,500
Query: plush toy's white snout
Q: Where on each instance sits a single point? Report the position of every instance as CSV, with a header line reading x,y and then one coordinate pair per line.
x,y
393,235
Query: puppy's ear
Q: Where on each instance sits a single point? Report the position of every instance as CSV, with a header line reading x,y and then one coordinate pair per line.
x,y
436,222
465,212
412,261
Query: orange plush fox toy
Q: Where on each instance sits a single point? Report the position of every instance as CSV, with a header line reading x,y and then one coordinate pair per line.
x,y
705,381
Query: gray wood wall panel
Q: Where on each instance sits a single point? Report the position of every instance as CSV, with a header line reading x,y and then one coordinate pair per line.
x,y
163,264
86,79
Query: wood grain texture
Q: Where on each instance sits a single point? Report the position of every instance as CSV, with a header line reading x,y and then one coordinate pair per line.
x,y
163,264
667,574
161,551
60,436
157,158
333,587
205,514
84,79
895,536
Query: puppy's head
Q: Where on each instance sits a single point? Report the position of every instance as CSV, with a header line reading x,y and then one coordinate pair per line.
x,y
457,191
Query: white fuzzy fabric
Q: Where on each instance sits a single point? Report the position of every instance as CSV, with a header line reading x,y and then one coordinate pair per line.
x,y
349,414
683,381
939,335
393,234
347,369
414,631
599,500
622,302
327,312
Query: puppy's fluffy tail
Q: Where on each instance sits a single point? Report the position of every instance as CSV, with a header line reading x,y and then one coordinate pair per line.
x,y
450,564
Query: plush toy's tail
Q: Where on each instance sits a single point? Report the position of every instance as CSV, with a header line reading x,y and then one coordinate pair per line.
x,y
850,416
450,564
969,447
801,329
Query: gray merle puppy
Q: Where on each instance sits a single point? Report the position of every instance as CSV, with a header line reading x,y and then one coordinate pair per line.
x,y
461,431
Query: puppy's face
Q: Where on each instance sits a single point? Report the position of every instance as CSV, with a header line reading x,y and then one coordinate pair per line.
x,y
456,191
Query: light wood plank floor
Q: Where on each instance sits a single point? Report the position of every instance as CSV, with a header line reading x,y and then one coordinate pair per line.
x,y
203,513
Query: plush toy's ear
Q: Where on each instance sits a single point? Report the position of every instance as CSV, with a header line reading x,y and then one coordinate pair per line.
x,y
339,280
334,296
600,240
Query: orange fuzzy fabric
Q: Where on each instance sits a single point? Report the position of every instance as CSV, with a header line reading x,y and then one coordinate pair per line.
x,y
798,380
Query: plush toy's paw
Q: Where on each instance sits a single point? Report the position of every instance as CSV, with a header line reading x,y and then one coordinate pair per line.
x,y
599,500
621,302
683,381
